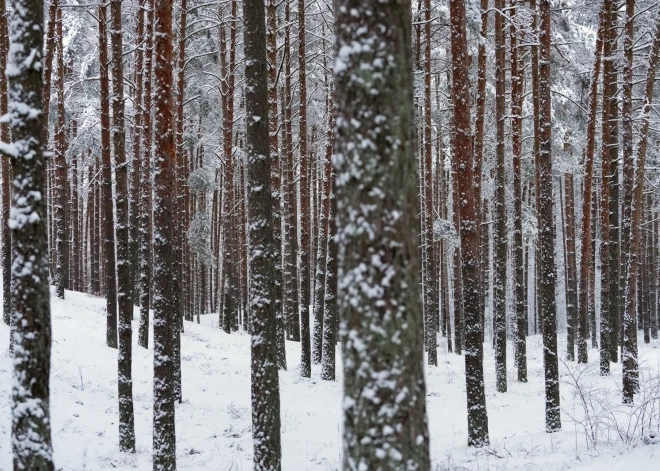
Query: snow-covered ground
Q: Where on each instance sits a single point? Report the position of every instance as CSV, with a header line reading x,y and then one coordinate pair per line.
x,y
213,423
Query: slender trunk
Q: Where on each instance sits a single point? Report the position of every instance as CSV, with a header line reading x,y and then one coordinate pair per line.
x,y
583,293
629,354
499,227
430,289
516,137
145,185
60,205
164,437
276,164
546,228
6,172
305,278
462,147
106,177
125,303
571,308
323,234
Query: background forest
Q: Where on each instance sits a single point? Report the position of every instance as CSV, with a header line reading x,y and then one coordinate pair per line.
x,y
527,266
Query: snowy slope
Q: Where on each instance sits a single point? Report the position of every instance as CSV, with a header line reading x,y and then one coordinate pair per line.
x,y
213,423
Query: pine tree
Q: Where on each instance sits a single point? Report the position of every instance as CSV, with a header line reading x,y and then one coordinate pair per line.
x,y
462,147
378,212
106,178
516,137
164,437
305,234
430,287
125,303
264,298
5,252
499,227
546,228
145,231
629,353
31,431
60,205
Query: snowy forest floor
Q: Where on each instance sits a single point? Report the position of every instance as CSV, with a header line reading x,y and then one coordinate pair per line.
x,y
213,423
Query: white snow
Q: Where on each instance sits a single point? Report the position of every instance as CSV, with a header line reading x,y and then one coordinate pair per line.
x,y
213,423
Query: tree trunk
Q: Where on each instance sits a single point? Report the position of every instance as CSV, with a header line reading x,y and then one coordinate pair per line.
x,y
516,137
60,205
499,227
462,147
378,211
31,430
305,279
546,228
145,186
125,303
264,253
6,172
164,439
276,164
585,259
106,177
571,308
629,354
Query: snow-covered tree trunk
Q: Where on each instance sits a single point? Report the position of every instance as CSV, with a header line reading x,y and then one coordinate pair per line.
x,y
124,301
31,430
164,438
587,194
381,318
145,248
276,171
469,236
322,239
430,288
571,308
60,203
546,228
629,353
5,164
330,314
264,298
305,214
138,114
516,141
106,178
179,182
608,306
500,238
614,257
292,305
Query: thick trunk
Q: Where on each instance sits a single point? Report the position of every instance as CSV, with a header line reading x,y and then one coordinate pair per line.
x,y
263,250
378,211
31,430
